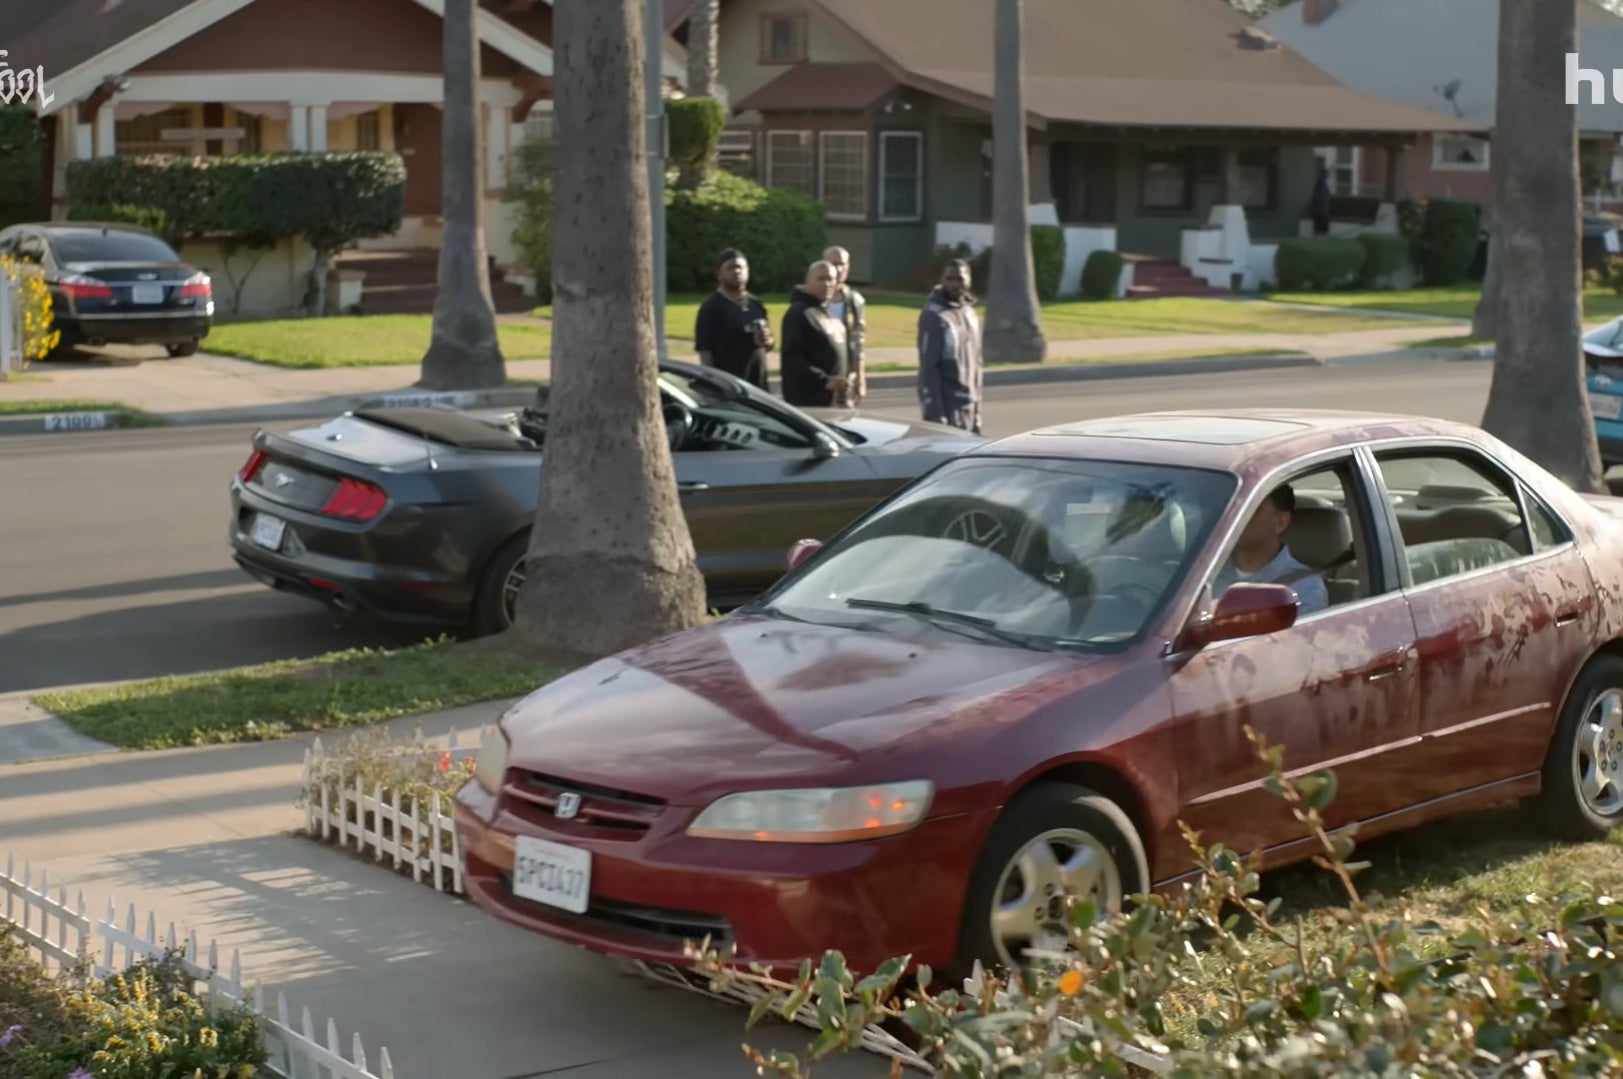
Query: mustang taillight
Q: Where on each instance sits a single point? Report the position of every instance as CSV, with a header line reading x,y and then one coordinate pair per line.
x,y
355,500
251,466
197,285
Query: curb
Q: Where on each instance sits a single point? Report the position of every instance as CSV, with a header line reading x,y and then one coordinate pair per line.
x,y
1060,371
118,419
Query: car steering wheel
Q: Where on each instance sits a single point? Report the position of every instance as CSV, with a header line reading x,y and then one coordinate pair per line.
x,y
678,423
1126,581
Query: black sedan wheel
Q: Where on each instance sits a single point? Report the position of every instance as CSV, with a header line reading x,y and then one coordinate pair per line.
x,y
497,602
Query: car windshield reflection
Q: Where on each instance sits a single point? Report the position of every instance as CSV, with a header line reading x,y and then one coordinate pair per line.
x,y
1047,554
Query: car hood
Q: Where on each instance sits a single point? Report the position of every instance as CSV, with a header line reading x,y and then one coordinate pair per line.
x,y
892,433
754,701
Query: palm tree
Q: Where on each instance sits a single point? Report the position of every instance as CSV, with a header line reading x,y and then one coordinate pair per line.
x,y
611,563
1013,332
1537,399
463,352
704,71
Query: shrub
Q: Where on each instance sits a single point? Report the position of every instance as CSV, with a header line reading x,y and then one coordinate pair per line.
x,y
1450,232
530,188
1533,993
1311,263
780,230
1048,259
20,164
39,333
1101,275
1386,256
695,133
147,217
1610,275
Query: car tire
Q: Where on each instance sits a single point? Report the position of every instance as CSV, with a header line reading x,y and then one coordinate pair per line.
x,y
1062,815
1581,794
490,604
185,348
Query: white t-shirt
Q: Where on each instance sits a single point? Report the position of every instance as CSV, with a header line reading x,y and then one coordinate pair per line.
x,y
1311,593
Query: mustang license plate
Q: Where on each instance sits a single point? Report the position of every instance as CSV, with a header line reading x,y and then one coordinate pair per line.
x,y
551,873
1604,406
268,531
146,294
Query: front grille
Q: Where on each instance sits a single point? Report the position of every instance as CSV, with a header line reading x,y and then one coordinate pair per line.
x,y
566,805
675,926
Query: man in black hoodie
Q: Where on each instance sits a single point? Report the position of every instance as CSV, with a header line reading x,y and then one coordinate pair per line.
x,y
950,352
814,349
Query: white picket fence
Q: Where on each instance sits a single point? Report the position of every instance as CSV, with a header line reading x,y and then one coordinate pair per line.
x,y
64,936
422,839
11,330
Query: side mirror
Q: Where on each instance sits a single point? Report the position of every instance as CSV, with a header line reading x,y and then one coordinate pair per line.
x,y
824,446
1244,610
802,550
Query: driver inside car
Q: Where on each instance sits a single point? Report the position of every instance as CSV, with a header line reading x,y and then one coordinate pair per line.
x,y
1261,555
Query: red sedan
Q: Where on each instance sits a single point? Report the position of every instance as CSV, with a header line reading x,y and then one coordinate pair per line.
x,y
1013,678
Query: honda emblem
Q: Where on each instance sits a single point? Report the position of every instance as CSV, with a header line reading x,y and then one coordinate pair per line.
x,y
568,805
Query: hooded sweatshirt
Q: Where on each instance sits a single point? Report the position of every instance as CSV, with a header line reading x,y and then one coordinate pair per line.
x,y
814,348
950,360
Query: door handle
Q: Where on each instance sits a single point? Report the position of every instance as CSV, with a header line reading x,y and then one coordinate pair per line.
x,y
1567,617
1375,674
693,485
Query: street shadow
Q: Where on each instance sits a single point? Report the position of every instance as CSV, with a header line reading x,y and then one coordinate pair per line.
x,y
221,578
447,988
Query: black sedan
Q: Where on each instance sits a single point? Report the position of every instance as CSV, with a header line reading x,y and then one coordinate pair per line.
x,y
115,285
423,514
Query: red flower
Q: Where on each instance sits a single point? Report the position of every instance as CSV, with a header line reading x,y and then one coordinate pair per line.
x,y
445,761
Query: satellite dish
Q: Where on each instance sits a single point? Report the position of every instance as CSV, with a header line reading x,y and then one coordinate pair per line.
x,y
1449,92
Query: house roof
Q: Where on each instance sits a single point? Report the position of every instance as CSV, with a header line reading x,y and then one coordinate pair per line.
x,y
822,86
1141,63
1409,52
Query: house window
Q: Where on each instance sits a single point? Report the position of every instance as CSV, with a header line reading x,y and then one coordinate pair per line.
x,y
1459,153
1342,162
1259,178
538,123
842,180
736,152
901,176
791,161
367,136
1164,178
144,134
783,38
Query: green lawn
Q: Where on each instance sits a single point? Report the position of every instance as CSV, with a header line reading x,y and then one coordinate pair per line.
x,y
356,340
1456,302
273,700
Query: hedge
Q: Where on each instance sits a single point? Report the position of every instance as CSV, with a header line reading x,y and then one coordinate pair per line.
x,y
1386,255
1101,275
147,217
1310,263
20,147
1450,231
780,231
1047,261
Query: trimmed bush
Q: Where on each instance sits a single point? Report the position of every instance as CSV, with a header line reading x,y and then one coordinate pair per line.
x,y
1101,275
780,231
1048,259
20,163
530,188
695,132
147,217
39,334
1317,263
1450,231
1386,255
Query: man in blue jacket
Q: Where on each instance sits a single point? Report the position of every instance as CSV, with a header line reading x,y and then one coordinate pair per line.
x,y
950,352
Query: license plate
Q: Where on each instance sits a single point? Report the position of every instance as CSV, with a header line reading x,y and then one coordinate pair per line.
x,y
268,531
551,873
1605,406
146,294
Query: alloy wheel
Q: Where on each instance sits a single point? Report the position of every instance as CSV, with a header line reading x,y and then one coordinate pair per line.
x,y
1030,908
1597,758
511,586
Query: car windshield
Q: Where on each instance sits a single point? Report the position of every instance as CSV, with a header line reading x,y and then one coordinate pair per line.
x,y
727,421
1036,552
114,245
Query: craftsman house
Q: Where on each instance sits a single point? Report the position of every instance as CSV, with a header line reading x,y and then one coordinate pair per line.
x,y
1171,130
230,76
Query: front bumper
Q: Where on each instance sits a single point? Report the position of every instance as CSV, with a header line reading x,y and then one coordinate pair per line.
x,y
775,904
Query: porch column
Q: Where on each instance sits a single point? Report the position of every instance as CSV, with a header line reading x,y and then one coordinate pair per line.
x,y
298,127
495,140
1395,162
1229,174
316,119
105,131
84,135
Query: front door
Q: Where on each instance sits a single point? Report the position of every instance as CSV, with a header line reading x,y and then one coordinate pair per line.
x,y
1336,690
1503,605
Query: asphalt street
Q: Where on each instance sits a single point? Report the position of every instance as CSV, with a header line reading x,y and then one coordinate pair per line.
x,y
116,565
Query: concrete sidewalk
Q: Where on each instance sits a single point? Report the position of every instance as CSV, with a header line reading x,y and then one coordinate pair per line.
x,y
216,389
206,838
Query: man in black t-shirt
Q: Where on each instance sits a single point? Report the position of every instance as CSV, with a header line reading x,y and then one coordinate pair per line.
x,y
731,330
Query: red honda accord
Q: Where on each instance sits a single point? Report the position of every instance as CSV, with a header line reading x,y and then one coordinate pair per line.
x,y
1013,678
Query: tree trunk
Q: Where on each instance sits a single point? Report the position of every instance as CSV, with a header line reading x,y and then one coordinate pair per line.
x,y
1013,332
611,563
1537,399
1485,319
463,351
703,79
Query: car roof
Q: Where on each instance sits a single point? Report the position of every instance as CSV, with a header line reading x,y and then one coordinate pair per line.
x,y
1234,439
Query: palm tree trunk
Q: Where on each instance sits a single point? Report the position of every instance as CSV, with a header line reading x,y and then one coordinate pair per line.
x,y
1013,332
1537,400
611,564
463,351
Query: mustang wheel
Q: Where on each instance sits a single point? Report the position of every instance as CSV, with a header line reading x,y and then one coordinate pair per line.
x,y
1054,841
494,606
1582,790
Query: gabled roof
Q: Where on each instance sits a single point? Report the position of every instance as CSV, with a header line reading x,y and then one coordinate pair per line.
x,y
853,87
1120,63
1410,51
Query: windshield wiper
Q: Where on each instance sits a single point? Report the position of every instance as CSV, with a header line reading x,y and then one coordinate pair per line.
x,y
939,615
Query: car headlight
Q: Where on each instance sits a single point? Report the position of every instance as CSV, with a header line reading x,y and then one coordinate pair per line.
x,y
829,815
491,763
